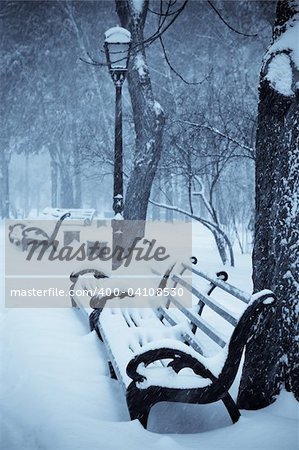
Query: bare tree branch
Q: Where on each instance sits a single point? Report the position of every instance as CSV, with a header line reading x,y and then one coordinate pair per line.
x,y
161,13
210,225
160,32
220,133
175,71
227,24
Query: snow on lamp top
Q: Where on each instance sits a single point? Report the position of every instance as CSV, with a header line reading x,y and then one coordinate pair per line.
x,y
117,46
117,35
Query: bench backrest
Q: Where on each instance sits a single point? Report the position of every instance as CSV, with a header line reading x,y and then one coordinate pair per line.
x,y
84,215
203,315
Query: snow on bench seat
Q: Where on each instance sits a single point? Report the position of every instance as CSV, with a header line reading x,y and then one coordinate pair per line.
x,y
149,333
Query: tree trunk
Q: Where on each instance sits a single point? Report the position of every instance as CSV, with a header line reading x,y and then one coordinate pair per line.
x,y
147,113
271,359
157,196
54,184
168,187
77,177
66,188
221,246
26,186
190,193
4,180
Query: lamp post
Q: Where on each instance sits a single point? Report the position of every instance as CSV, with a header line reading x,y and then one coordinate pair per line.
x,y
117,48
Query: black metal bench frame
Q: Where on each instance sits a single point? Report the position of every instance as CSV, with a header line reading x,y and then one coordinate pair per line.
x,y
41,235
141,400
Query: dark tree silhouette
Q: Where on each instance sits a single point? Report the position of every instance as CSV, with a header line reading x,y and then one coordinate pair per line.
x,y
271,359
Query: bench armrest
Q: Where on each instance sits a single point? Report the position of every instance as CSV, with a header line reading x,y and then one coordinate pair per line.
x,y
179,361
181,358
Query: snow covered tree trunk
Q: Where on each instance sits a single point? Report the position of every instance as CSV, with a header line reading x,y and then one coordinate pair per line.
x,y
148,114
271,359
221,246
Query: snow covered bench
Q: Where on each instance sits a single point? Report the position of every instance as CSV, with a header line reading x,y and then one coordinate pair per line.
x,y
174,353
81,216
22,234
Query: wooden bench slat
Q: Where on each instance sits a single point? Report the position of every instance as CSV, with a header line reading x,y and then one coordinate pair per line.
x,y
200,323
194,344
213,304
128,318
165,314
234,291
186,337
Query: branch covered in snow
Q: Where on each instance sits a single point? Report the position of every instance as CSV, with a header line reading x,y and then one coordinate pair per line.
x,y
207,223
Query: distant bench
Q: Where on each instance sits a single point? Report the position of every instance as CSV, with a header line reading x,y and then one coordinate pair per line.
x,y
85,216
22,233
147,349
81,217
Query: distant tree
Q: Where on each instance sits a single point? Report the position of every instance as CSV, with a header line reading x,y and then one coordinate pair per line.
x,y
271,359
16,103
5,156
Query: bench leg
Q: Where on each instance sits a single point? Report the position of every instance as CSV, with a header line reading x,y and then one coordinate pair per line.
x,y
231,407
143,418
112,372
140,403
74,304
140,413
93,319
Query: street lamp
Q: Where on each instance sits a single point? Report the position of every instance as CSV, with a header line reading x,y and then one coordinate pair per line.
x,y
117,48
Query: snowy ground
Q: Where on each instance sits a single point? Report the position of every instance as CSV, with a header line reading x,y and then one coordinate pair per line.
x,y
56,393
